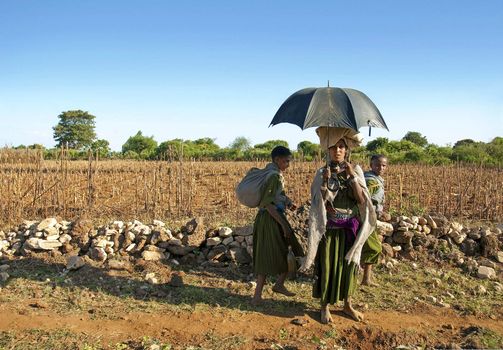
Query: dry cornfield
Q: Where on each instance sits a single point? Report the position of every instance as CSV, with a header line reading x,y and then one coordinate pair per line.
x,y
121,189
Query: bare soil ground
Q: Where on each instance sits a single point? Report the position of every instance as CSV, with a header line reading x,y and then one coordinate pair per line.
x,y
43,306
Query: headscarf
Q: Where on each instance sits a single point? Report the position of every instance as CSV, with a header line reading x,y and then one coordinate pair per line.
x,y
330,136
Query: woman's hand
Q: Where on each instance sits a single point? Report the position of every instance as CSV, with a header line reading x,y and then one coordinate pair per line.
x,y
349,169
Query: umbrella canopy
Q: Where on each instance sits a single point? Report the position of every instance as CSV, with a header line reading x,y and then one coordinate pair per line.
x,y
331,107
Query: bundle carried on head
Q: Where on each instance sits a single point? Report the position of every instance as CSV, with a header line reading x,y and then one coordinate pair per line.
x,y
330,136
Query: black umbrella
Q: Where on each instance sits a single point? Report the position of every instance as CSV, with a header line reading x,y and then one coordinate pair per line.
x,y
331,107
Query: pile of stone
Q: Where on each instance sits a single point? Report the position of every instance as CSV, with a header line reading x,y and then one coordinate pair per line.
x,y
478,249
192,243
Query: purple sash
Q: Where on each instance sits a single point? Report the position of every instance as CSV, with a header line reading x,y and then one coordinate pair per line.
x,y
350,227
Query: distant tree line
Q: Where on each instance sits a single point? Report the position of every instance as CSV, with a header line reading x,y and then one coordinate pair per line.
x,y
75,131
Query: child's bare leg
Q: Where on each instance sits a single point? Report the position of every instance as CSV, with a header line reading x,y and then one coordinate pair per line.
x,y
279,286
367,275
350,311
325,315
257,297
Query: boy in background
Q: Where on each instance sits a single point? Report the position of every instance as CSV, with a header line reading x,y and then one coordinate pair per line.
x,y
375,184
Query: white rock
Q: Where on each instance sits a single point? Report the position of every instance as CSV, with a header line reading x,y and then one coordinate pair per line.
x,y
485,272
130,247
37,243
152,256
74,262
397,248
498,287
224,232
150,278
431,299
49,222
213,241
38,234
159,223
65,238
431,222
174,262
384,228
118,224
179,236
4,245
130,236
499,257
415,219
459,238
227,240
456,226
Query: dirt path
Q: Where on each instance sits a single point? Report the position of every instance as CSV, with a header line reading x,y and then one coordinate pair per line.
x,y
258,330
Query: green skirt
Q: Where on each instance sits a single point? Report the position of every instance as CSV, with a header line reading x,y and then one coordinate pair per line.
x,y
269,246
334,277
372,249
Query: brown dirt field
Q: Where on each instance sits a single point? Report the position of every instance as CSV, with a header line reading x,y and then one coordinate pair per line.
x,y
259,329
44,307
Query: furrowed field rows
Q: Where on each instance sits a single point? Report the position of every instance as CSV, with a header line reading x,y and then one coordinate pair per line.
x,y
173,191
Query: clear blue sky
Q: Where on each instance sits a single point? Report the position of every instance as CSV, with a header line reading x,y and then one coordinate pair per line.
x,y
221,69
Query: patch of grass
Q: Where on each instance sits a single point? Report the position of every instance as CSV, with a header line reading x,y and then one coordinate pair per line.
x,y
60,339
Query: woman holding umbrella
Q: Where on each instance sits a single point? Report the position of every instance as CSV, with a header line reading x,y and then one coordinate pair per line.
x,y
341,219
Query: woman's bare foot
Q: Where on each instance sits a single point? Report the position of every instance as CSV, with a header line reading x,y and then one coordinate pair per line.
x,y
355,315
325,315
367,281
282,290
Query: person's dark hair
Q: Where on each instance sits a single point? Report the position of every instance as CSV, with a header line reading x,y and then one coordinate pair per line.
x,y
377,157
280,151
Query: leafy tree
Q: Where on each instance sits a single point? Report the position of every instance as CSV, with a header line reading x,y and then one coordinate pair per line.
x,y
416,137
269,145
464,142
309,149
101,146
374,145
240,144
75,129
143,146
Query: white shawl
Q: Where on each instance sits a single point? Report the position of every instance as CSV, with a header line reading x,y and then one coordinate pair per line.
x,y
318,220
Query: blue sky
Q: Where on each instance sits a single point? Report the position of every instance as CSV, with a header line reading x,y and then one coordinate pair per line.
x,y
221,69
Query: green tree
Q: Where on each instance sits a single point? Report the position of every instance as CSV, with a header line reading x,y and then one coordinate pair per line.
x,y
308,149
240,144
75,129
143,146
376,144
269,145
464,142
416,137
101,146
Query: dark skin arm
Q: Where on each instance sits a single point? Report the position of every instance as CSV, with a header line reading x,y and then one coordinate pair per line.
x,y
271,209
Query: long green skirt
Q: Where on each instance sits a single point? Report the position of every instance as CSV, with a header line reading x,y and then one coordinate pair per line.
x,y
334,277
269,246
371,249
